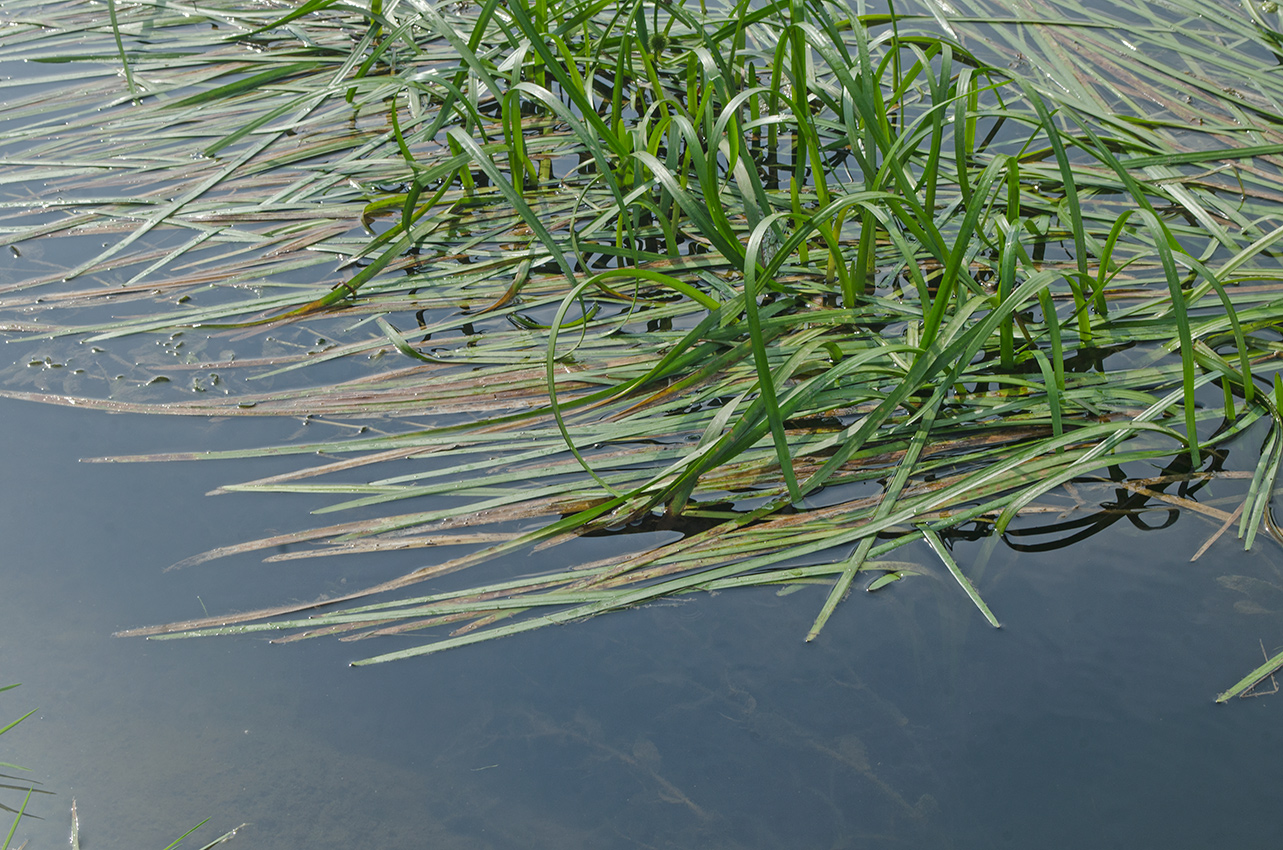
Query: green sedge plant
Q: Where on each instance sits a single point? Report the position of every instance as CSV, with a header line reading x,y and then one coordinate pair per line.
x,y
808,281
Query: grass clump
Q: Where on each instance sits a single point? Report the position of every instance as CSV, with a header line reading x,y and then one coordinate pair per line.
x,y
808,281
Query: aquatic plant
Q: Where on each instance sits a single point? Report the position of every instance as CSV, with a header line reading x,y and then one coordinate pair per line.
x,y
805,282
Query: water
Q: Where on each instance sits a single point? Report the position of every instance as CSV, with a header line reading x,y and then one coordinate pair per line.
x,y
1086,720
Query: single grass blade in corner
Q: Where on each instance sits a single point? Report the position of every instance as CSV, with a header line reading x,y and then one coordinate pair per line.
x,y
19,720
16,818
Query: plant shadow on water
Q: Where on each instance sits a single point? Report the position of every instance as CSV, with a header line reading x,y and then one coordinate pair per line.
x,y
714,317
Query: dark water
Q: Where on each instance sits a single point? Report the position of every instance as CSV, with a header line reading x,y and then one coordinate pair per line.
x,y
1087,720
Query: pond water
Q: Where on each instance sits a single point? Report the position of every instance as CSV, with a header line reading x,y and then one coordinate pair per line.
x,y
1086,720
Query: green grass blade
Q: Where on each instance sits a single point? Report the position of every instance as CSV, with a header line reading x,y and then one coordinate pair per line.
x,y
937,545
1252,679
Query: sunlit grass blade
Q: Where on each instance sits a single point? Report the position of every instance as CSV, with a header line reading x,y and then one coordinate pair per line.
x,y
1252,679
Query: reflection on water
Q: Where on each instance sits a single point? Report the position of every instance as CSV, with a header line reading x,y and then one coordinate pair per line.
x,y
1086,720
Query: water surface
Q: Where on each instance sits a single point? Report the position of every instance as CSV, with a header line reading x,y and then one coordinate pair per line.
x,y
1086,720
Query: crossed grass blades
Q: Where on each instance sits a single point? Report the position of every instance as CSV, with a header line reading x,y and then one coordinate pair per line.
x,y
811,280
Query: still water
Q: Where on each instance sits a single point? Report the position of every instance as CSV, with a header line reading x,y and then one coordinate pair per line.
x,y
1087,720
